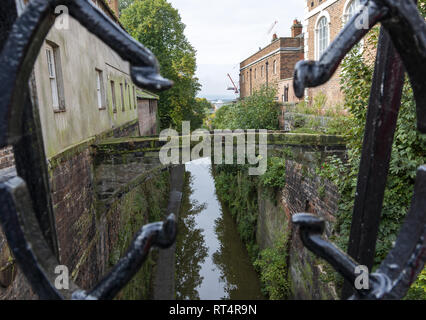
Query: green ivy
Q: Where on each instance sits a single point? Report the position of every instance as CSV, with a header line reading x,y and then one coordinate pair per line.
x,y
408,154
274,177
273,269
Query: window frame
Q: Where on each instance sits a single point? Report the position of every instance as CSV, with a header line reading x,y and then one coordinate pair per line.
x,y
54,66
134,97
123,109
322,35
129,95
113,96
349,10
100,89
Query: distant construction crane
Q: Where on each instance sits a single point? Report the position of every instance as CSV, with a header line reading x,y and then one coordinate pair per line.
x,y
272,27
234,88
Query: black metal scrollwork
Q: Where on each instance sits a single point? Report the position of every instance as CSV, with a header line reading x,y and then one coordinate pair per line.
x,y
23,211
402,44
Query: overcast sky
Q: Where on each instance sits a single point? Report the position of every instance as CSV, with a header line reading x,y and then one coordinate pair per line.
x,y
225,32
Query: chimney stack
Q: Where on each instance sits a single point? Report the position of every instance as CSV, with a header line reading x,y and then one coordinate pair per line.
x,y
296,29
113,4
274,37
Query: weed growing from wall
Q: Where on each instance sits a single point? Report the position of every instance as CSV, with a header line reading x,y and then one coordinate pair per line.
x,y
273,269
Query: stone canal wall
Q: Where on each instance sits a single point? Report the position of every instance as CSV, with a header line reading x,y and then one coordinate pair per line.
x,y
92,236
304,192
306,277
107,187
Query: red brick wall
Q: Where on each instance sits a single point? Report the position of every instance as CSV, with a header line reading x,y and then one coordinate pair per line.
x,y
254,78
332,88
302,194
147,114
7,158
291,96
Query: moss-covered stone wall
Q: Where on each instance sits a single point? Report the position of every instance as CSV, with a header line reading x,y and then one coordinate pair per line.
x,y
263,214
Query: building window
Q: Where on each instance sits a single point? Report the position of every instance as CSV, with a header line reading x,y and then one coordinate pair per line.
x,y
151,106
255,73
122,97
55,77
322,36
261,71
134,96
100,91
113,97
285,97
352,8
130,98
275,67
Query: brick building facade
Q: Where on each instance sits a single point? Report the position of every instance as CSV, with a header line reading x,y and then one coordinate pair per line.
x,y
323,21
274,65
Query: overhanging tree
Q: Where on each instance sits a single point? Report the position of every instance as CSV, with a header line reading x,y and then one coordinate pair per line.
x,y
158,25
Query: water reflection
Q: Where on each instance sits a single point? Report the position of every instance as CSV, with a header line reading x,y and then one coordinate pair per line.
x,y
234,263
190,250
212,262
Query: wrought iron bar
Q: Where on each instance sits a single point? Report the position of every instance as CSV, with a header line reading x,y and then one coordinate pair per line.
x,y
406,29
402,265
314,73
158,234
25,201
382,115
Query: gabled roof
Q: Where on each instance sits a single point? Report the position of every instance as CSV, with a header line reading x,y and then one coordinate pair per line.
x,y
144,94
112,13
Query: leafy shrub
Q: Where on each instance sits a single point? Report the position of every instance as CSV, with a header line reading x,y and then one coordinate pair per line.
x,y
319,103
272,265
274,177
418,290
259,111
299,122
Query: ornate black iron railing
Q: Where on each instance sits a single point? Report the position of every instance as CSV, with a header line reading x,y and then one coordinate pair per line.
x,y
402,43
25,206
26,209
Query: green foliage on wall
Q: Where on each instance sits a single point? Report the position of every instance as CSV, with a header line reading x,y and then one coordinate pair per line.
x,y
418,289
238,191
273,269
259,111
408,153
274,177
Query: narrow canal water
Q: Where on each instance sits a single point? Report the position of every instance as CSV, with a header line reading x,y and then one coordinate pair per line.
x,y
211,260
